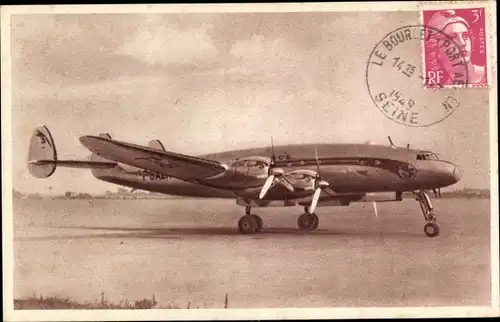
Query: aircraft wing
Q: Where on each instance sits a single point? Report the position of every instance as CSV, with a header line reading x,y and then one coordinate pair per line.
x,y
83,164
171,164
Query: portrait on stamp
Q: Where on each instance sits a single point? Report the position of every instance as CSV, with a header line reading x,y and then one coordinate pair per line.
x,y
466,29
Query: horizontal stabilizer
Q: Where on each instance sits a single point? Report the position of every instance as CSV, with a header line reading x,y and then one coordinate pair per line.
x,y
82,164
43,161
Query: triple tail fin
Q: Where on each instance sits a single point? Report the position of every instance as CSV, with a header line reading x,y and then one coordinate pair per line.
x,y
42,156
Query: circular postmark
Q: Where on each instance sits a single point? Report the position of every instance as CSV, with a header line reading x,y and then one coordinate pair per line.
x,y
401,87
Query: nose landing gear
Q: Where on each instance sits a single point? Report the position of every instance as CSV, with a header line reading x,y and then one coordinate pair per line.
x,y
431,229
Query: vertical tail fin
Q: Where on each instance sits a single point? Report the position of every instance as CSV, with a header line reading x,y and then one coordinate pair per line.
x,y
42,148
156,144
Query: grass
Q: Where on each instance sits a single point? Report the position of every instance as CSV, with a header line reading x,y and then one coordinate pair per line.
x,y
57,303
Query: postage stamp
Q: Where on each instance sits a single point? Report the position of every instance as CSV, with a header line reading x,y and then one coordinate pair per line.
x,y
444,62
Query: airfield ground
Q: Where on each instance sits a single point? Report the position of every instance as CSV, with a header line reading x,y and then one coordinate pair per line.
x,y
190,251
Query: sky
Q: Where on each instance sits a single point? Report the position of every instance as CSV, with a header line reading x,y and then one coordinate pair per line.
x,y
204,83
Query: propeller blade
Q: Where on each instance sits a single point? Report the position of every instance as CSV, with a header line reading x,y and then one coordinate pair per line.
x,y
317,160
285,183
269,182
375,208
390,140
273,155
330,192
314,201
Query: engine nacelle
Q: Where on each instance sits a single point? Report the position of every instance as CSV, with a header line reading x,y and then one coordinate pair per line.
x,y
257,167
302,179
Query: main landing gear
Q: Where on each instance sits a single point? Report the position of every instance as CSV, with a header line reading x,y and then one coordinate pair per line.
x,y
431,229
308,221
250,224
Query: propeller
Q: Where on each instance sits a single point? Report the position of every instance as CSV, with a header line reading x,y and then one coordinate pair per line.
x,y
275,175
319,185
375,208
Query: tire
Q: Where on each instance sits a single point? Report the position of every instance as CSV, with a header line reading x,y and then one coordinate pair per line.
x,y
248,224
260,223
308,222
315,222
431,229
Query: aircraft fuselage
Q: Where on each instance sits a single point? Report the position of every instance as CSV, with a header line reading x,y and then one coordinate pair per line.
x,y
349,168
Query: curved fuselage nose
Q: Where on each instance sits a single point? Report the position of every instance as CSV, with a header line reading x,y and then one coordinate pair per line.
x,y
438,173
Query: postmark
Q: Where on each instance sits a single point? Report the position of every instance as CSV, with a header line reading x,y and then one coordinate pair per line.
x,y
467,28
396,82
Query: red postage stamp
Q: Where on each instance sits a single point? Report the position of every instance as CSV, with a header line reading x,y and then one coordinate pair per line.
x,y
455,48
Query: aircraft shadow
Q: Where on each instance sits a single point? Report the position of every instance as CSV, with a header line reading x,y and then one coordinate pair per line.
x,y
178,233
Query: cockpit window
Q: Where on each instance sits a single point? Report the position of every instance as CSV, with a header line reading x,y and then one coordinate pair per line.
x,y
427,156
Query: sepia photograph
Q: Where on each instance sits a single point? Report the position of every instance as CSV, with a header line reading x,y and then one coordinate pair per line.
x,y
299,160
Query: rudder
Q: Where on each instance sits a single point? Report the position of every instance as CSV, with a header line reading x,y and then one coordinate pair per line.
x,y
42,147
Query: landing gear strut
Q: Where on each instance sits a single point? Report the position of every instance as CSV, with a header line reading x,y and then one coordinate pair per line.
x,y
250,224
431,229
308,221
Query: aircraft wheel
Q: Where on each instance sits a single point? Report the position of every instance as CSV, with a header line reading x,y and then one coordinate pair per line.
x,y
308,221
315,222
248,224
431,229
260,223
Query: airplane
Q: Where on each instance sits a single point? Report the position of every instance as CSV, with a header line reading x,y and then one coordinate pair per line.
x,y
308,175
